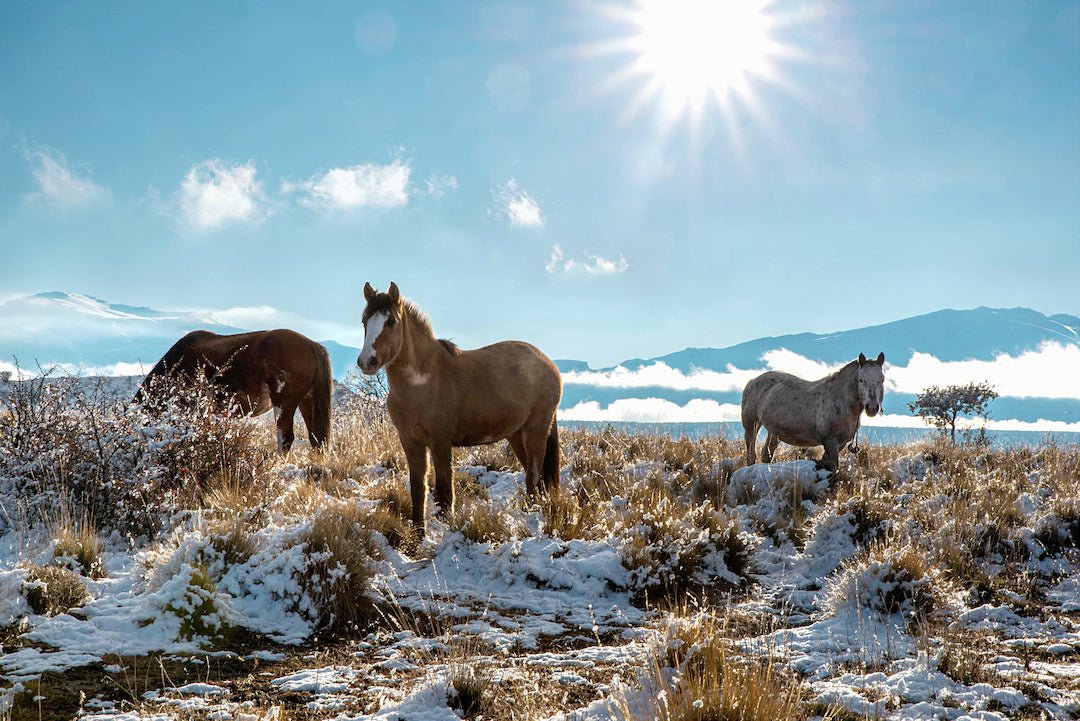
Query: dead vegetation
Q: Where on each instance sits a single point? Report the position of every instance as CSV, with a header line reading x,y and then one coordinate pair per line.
x,y
924,525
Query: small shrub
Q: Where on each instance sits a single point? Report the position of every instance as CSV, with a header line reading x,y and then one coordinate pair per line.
x,y
232,540
890,580
670,548
340,567
466,486
398,531
78,544
197,606
1059,529
395,496
51,590
493,456
471,690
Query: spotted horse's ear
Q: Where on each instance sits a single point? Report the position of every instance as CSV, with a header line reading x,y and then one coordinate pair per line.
x,y
880,359
862,360
369,292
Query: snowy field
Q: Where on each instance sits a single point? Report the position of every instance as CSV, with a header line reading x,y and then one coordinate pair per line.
x,y
171,566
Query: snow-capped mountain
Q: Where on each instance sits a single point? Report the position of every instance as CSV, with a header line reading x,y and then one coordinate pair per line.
x,y
82,331
948,335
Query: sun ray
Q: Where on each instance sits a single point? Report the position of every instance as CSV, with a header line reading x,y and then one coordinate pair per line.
x,y
691,60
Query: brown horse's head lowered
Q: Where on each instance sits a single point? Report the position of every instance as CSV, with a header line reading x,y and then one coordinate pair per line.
x,y
254,372
382,328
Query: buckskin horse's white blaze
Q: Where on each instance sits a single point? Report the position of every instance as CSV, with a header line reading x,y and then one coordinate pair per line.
x,y
372,329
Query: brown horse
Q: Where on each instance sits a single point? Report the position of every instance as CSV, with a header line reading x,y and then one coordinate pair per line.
x,y
442,397
805,413
257,371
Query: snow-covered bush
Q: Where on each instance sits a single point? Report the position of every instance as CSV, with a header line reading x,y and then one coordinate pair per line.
x,y
1059,528
339,551
779,497
845,528
670,547
889,580
192,596
71,443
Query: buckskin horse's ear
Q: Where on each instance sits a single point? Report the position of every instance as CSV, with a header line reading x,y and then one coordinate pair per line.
x,y
394,293
369,292
862,359
881,358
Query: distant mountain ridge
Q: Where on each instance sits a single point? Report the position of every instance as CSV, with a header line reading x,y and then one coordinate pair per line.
x,y
948,335
80,330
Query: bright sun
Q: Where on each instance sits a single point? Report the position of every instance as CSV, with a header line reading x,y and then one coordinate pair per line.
x,y
694,47
692,54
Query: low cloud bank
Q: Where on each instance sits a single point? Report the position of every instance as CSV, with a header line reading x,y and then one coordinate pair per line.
x,y
60,370
1052,371
658,410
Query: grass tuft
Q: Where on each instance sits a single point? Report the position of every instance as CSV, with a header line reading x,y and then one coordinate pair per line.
x,y
52,590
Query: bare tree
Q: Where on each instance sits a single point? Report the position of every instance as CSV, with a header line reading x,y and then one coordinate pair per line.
x,y
940,407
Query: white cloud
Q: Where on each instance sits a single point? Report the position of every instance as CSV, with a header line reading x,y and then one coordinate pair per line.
x,y
658,410
653,410
58,184
265,317
593,265
437,185
1052,371
518,207
215,193
358,186
60,370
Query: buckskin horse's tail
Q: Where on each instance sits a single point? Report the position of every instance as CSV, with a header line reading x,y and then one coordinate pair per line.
x,y
322,388
549,472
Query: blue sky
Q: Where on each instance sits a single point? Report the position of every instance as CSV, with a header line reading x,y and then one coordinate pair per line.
x,y
529,170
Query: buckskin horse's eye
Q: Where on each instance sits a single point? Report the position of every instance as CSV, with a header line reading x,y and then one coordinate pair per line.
x,y
390,321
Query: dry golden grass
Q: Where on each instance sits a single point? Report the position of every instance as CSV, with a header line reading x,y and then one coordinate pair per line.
x,y
232,539
713,681
482,522
570,516
340,568
51,590
78,541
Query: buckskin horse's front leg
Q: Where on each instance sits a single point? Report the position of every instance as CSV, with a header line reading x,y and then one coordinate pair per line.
x,y
442,458
417,456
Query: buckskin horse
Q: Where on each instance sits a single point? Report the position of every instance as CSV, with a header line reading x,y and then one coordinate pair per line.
x,y
441,397
824,412
257,371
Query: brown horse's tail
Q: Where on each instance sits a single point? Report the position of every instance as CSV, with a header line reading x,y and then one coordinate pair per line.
x,y
322,388
549,472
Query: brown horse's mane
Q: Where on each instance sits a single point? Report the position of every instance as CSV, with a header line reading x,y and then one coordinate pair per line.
x,y
382,304
424,323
